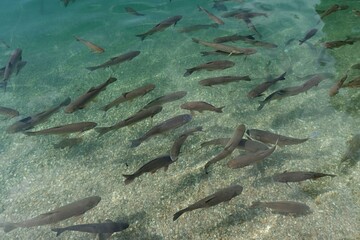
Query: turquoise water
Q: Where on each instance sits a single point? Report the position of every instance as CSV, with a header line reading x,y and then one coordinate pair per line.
x,y
36,178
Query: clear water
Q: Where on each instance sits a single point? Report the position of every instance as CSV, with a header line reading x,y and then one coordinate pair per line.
x,y
36,178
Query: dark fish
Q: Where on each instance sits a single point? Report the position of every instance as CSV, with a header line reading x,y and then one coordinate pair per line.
x,y
251,26
356,12
232,38
251,158
108,227
133,11
248,15
65,129
201,106
68,142
127,96
66,2
223,80
335,88
176,147
273,138
166,98
116,60
211,16
84,99
210,66
197,27
105,236
137,117
235,12
216,53
160,26
93,47
336,44
244,144
356,66
308,35
284,207
8,112
286,177
31,121
222,195
2,72
76,208
259,89
353,150
330,10
259,43
172,123
14,64
152,167
354,83
226,48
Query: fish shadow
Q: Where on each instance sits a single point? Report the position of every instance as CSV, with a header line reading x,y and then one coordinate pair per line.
x,y
237,218
189,180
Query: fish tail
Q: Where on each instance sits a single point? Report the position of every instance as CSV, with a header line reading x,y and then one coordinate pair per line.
x,y
262,104
219,110
141,36
66,102
29,133
195,40
58,230
205,53
8,226
178,214
188,72
91,68
102,130
255,204
301,42
135,143
129,178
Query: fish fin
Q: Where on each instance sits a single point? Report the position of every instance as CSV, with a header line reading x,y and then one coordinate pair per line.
x,y
209,199
26,120
58,230
129,178
29,133
166,168
65,102
301,42
195,40
141,36
102,130
188,72
91,68
262,104
219,110
178,214
8,226
135,143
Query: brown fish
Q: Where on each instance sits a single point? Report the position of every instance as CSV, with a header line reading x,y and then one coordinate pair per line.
x,y
127,96
336,44
201,106
223,80
90,45
222,195
233,38
308,35
210,66
160,26
335,88
286,177
65,129
76,208
176,147
330,10
152,167
244,144
14,64
170,97
116,60
259,89
273,138
197,27
226,48
249,159
66,2
284,207
84,99
211,16
9,112
132,11
354,83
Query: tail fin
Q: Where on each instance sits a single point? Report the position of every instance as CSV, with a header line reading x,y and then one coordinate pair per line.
x,y
65,102
219,110
141,36
301,42
135,143
262,104
58,230
178,214
188,72
8,226
91,68
102,130
195,40
129,178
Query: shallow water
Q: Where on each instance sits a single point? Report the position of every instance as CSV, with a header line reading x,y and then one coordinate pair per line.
x,y
36,178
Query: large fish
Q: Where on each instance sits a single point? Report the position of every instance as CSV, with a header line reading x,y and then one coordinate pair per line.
x,y
273,138
116,60
151,166
9,112
284,207
223,195
226,48
308,35
170,97
76,208
160,26
223,80
172,123
93,47
201,106
31,121
251,158
211,16
65,129
210,66
84,99
176,147
299,176
262,87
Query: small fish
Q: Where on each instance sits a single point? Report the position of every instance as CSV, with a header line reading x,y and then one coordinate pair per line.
x,y
353,150
76,208
201,106
335,88
233,38
127,96
84,99
66,2
259,43
31,121
172,123
251,26
65,129
67,143
284,207
259,89
137,117
356,66
176,147
308,35
244,144
160,26
248,15
354,83
107,227
337,44
330,10
222,195
198,27
286,177
223,80
132,11
210,66
116,60
226,48
9,112
170,97
90,45
14,64
235,12
273,138
250,159
152,167
356,12
212,16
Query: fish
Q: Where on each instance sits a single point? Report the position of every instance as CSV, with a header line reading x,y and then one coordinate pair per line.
x,y
9,112
201,106
66,2
284,207
337,44
4,43
235,12
308,35
212,16
248,15
116,60
107,227
232,38
151,166
210,66
356,66
222,195
64,129
137,117
259,43
209,53
176,147
356,12
172,123
19,67
170,97
127,96
353,150
226,48
330,10
354,83
197,27
132,11
223,80
286,177
273,138
105,236
160,26
67,142
31,121
249,159
251,26
76,208
90,45
336,87
259,89
84,99
244,144
14,64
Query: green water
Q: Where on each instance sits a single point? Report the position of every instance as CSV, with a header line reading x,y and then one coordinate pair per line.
x,y
36,178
